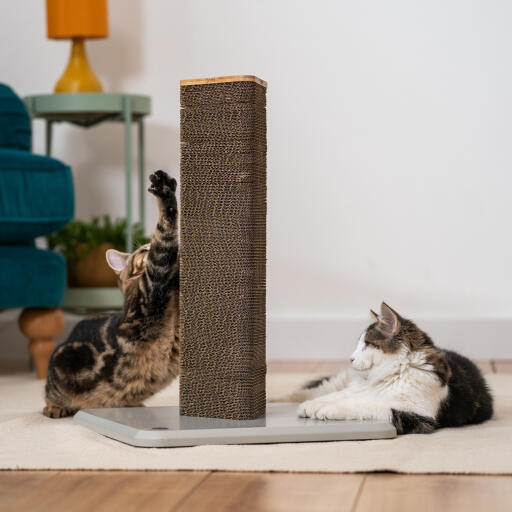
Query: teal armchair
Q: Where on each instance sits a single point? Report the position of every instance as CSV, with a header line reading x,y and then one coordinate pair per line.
x,y
36,199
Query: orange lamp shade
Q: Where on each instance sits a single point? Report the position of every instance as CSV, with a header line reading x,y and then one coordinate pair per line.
x,y
77,18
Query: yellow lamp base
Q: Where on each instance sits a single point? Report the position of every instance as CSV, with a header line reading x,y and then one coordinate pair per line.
x,y
78,75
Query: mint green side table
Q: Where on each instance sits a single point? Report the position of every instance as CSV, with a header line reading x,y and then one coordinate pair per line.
x,y
90,109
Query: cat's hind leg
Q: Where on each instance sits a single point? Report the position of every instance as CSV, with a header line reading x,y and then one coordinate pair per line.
x,y
412,423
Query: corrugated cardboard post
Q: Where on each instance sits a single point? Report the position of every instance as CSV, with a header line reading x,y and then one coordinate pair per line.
x,y
223,247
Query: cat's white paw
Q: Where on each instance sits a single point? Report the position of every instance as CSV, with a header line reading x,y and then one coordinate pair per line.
x,y
321,409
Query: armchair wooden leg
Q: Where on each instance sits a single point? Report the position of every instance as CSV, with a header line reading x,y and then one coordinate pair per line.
x,y
41,326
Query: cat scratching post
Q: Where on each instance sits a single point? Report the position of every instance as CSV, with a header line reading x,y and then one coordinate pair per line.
x,y
222,286
222,247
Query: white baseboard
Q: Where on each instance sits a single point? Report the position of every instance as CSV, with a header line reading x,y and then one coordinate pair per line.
x,y
336,338
298,337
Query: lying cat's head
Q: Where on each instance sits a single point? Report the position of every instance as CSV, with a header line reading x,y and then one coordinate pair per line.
x,y
128,267
388,336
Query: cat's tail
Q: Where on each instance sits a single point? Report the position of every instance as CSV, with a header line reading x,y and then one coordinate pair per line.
x,y
411,423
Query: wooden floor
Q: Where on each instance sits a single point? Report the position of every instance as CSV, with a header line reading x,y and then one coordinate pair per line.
x,y
211,491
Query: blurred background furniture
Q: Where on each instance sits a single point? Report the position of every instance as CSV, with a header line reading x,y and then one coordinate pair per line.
x,y
36,199
88,110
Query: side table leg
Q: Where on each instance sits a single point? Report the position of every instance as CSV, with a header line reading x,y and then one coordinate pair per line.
x,y
127,115
48,137
30,111
142,182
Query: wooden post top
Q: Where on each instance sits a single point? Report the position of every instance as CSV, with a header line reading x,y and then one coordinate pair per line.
x,y
223,79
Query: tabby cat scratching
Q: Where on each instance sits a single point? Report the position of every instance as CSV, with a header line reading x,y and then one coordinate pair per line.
x,y
398,375
121,359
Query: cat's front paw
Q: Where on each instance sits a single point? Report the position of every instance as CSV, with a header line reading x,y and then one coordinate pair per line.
x,y
162,185
164,188
321,409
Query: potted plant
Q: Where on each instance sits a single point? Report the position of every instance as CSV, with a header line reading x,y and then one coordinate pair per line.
x,y
84,244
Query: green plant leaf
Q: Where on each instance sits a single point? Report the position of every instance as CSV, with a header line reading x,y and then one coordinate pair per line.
x,y
79,238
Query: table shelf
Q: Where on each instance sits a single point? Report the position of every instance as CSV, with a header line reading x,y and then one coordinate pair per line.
x,y
86,299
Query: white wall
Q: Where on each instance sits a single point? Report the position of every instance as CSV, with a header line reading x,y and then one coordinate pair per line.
x,y
389,163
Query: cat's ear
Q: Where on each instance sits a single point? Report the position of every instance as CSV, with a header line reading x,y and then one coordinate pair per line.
x,y
389,320
117,260
374,315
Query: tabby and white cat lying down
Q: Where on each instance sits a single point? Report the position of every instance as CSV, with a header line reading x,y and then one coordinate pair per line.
x,y
121,359
398,375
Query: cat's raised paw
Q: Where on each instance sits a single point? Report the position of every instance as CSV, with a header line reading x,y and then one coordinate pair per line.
x,y
162,185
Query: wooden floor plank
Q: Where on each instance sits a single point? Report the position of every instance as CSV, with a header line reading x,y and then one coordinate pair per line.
x,y
278,366
503,366
432,493
15,485
77,491
330,367
276,492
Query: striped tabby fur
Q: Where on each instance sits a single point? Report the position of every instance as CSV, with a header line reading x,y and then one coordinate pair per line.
x,y
121,359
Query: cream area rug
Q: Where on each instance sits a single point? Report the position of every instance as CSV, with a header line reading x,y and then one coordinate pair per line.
x,y
28,440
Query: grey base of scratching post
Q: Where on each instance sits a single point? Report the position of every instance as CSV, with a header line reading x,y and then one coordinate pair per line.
x,y
163,427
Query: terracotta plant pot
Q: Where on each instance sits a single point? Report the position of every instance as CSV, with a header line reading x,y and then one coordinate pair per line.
x,y
93,270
